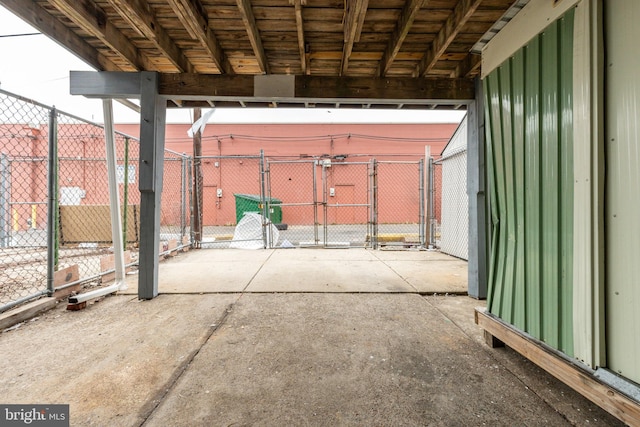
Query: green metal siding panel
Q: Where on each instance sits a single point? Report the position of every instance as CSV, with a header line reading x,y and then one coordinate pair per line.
x,y
533,191
550,179
566,184
530,175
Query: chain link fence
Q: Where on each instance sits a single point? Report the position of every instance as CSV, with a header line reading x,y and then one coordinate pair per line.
x,y
61,239
450,172
315,201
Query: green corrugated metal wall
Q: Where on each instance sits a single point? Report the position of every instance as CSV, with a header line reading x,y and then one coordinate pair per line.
x,y
529,126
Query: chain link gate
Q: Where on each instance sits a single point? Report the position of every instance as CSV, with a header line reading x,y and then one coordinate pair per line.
x,y
327,203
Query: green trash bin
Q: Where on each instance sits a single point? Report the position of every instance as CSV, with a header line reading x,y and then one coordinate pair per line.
x,y
252,203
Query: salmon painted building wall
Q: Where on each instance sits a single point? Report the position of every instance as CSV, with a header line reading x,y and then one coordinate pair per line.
x,y
284,144
82,168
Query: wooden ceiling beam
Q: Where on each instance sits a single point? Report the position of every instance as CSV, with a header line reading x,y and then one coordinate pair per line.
x,y
193,17
249,20
408,15
463,11
470,65
355,13
302,47
141,17
39,18
318,88
92,19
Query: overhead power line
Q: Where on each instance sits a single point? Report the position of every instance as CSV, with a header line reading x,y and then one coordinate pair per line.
x,y
2,36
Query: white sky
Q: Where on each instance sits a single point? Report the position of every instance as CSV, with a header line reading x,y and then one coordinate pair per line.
x,y
37,67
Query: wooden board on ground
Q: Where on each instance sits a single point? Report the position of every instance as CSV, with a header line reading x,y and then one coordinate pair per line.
x,y
108,262
581,380
63,277
92,224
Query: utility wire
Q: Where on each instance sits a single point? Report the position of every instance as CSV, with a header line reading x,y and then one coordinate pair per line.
x,y
2,36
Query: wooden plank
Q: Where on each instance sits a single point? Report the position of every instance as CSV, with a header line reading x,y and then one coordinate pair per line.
x,y
75,228
141,18
192,16
198,86
304,57
108,262
93,19
40,19
64,276
254,35
353,23
581,380
408,15
461,14
383,88
26,312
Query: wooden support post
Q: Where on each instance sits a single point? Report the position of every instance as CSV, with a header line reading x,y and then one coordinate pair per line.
x,y
152,130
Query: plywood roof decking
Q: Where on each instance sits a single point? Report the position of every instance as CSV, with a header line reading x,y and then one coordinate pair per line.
x,y
344,38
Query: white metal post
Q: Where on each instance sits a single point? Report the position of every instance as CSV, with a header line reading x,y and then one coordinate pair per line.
x,y
114,196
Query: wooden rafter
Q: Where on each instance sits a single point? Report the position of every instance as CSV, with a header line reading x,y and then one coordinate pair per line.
x,y
355,13
39,18
142,18
244,6
92,19
471,64
297,4
408,15
192,16
461,14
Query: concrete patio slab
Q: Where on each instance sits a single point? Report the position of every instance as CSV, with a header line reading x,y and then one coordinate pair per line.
x,y
433,276
314,254
321,275
206,271
412,255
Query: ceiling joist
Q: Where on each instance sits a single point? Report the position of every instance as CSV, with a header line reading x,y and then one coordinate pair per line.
x,y
302,47
452,27
244,6
192,16
39,18
355,13
92,19
408,15
142,18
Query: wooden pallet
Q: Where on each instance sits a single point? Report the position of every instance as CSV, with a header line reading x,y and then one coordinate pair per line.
x,y
498,333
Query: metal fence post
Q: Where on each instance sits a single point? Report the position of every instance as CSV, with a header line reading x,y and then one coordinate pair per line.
x,y
190,178
5,225
421,232
263,203
125,214
374,234
432,231
183,198
52,206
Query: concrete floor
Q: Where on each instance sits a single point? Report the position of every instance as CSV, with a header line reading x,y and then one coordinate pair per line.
x,y
370,351
310,270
